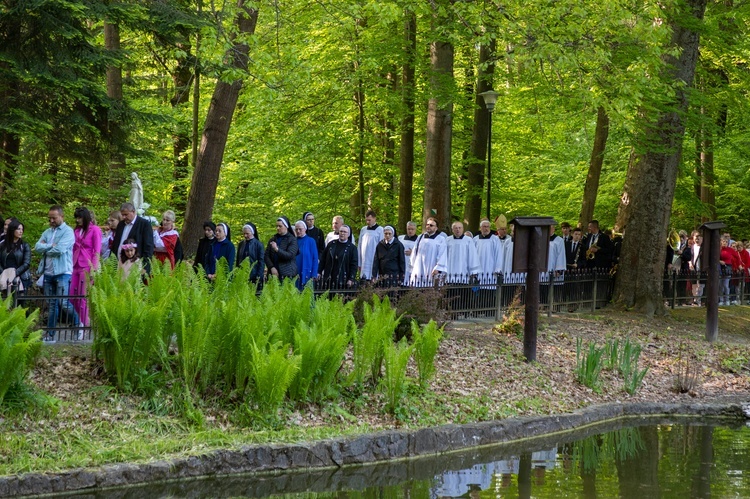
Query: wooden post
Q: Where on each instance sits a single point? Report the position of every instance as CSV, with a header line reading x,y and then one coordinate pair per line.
x,y
710,262
530,252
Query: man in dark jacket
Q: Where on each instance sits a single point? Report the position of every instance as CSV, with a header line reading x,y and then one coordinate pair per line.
x,y
338,265
137,228
281,252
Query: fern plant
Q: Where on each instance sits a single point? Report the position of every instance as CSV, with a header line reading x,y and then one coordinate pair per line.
x,y
273,372
426,343
380,322
129,323
322,346
20,344
396,356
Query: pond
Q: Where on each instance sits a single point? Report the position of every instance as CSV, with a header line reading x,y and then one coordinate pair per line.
x,y
630,460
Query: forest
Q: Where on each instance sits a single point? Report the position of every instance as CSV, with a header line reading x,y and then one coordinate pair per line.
x,y
628,111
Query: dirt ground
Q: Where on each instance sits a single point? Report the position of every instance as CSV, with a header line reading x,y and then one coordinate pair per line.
x,y
482,375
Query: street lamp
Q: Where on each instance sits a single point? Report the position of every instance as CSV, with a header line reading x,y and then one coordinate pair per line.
x,y
490,98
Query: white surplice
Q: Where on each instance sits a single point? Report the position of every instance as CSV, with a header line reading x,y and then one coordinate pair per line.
x,y
460,259
424,258
367,244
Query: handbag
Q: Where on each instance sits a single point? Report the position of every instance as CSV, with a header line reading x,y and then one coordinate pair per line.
x,y
8,278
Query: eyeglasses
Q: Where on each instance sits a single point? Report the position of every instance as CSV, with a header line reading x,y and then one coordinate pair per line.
x,y
431,225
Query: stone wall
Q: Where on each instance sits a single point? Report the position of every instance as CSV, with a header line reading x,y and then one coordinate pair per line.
x,y
343,452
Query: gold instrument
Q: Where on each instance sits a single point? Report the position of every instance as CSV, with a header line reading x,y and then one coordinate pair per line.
x,y
674,240
590,255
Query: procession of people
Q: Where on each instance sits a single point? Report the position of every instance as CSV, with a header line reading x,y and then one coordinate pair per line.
x,y
300,251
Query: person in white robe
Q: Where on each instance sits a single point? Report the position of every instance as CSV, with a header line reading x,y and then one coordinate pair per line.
x,y
490,253
428,249
460,260
556,258
408,241
556,265
369,237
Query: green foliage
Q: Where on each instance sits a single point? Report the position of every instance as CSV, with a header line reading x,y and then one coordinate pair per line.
x,y
380,323
322,346
396,356
426,344
589,365
130,322
612,354
19,346
735,360
273,373
624,358
191,341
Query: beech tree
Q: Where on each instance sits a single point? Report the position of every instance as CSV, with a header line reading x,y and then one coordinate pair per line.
x,y
652,176
215,132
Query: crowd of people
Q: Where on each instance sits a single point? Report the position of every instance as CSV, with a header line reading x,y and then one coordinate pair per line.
x,y
302,251
686,257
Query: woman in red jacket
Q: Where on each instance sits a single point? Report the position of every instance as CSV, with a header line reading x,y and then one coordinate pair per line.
x,y
730,261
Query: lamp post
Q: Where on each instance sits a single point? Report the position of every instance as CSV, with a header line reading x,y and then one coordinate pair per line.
x,y
490,98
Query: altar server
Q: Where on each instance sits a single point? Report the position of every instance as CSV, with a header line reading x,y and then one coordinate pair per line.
x,y
369,237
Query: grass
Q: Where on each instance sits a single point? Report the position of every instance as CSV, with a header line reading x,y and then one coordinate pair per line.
x,y
481,375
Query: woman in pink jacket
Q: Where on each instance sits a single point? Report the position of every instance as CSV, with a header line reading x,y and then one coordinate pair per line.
x,y
88,244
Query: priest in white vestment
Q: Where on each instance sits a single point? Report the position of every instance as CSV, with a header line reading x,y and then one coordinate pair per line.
x,y
369,237
490,253
428,249
460,259
408,240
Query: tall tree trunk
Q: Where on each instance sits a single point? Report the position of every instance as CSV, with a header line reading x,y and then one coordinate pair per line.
x,y
477,157
708,196
437,169
181,138
11,146
654,175
196,91
114,92
406,177
205,178
388,147
595,167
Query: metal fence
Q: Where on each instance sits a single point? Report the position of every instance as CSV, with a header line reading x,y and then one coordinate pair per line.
x,y
489,295
64,329
453,297
688,288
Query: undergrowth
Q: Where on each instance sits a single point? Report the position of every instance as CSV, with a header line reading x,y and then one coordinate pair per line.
x,y
194,343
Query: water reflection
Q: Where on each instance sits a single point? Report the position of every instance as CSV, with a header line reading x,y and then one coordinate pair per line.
x,y
656,460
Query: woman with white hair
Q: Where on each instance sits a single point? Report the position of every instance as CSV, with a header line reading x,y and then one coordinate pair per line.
x,y
168,237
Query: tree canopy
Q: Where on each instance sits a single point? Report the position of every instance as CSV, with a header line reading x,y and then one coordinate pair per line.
x,y
325,100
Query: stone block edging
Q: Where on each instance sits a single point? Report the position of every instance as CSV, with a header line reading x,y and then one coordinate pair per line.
x,y
346,451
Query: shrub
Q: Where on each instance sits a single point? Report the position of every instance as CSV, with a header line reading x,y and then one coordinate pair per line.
x,y
396,356
20,344
380,322
322,346
426,343
130,324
